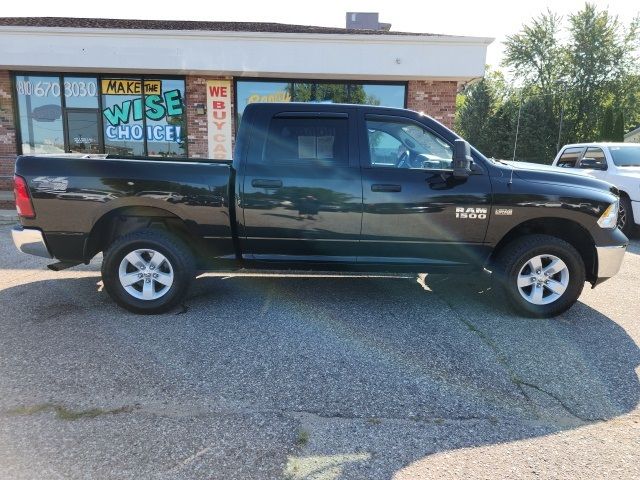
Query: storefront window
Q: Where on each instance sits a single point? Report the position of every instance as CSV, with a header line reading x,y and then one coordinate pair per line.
x,y
40,111
81,92
143,117
261,92
384,95
127,116
165,120
252,91
122,116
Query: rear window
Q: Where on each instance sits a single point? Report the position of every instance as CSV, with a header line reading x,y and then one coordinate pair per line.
x,y
626,156
569,157
304,141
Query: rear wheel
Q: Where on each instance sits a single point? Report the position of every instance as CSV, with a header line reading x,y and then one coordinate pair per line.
x,y
626,222
541,275
148,271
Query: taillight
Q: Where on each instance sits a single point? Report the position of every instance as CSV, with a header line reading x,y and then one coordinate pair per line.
x,y
23,199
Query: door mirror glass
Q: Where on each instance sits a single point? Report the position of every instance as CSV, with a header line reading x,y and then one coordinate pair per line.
x,y
593,164
461,159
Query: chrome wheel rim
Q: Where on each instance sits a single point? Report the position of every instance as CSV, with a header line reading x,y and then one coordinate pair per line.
x,y
543,279
145,274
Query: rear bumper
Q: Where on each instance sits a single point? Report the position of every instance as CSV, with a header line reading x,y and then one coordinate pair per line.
x,y
31,241
609,261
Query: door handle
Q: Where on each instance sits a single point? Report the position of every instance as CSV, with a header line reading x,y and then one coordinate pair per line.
x,y
383,187
264,183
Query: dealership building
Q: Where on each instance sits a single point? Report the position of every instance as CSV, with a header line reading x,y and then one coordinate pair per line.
x,y
178,88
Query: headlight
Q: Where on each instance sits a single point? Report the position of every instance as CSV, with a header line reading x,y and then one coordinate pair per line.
x,y
609,219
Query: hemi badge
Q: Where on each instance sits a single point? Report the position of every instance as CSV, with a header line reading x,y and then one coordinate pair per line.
x,y
504,211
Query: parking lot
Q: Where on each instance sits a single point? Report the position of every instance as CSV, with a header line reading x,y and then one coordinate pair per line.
x,y
315,378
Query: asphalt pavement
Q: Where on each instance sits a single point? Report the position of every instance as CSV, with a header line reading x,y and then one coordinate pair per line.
x,y
294,377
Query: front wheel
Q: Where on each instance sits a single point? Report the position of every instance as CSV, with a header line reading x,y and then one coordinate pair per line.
x,y
626,222
148,271
541,275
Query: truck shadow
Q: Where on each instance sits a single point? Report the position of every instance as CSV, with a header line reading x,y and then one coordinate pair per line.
x,y
376,373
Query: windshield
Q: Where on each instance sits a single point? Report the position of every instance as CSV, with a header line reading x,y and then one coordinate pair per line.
x,y
626,156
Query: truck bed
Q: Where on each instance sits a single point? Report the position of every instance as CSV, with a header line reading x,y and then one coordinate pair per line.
x,y
72,193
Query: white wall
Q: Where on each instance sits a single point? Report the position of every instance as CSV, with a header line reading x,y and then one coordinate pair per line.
x,y
382,57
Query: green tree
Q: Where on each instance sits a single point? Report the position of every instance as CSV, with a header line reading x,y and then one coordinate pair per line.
x,y
534,55
600,55
573,70
475,114
617,133
606,128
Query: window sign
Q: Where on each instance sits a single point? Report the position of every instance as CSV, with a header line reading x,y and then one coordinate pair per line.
x,y
114,86
165,119
40,111
137,112
261,92
123,125
80,92
219,118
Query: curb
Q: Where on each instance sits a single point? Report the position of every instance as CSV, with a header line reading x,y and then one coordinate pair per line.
x,y
8,217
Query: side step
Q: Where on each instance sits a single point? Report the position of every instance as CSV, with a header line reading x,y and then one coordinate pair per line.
x,y
56,267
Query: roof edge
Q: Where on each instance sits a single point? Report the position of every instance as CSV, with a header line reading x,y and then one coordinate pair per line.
x,y
405,37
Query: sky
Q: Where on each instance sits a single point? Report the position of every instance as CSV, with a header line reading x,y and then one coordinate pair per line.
x,y
487,18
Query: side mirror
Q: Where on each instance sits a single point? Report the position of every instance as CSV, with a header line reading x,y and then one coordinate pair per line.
x,y
461,159
592,163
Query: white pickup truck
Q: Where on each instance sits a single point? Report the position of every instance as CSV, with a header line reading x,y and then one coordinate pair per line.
x,y
616,163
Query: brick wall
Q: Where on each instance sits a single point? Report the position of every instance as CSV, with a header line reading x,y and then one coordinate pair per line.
x,y
196,93
435,98
7,137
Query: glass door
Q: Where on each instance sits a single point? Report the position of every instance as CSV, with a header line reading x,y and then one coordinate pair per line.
x,y
83,131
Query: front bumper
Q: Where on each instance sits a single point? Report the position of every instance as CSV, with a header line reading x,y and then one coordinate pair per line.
x,y
609,260
31,241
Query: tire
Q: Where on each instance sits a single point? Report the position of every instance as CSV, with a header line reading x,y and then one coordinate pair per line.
x,y
160,284
546,296
626,222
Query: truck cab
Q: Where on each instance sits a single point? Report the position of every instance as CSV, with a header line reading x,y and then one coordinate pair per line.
x,y
353,185
616,163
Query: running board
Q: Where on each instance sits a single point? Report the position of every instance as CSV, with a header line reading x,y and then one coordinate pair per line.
x,y
56,267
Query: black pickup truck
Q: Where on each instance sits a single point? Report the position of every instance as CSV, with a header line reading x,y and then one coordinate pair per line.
x,y
323,187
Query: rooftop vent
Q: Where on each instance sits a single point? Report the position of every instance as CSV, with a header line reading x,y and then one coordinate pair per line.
x,y
366,21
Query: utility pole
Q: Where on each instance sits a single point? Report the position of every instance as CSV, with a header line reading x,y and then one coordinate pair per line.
x,y
564,90
515,143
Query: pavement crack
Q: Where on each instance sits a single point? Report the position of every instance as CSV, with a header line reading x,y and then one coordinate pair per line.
x,y
64,413
562,403
513,376
376,420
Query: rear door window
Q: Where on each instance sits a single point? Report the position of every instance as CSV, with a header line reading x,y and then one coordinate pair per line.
x,y
570,157
307,142
597,154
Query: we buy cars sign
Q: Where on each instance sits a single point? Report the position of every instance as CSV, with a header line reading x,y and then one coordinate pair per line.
x,y
219,118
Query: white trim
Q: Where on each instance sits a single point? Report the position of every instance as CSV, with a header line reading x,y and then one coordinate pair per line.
x,y
304,37
262,54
